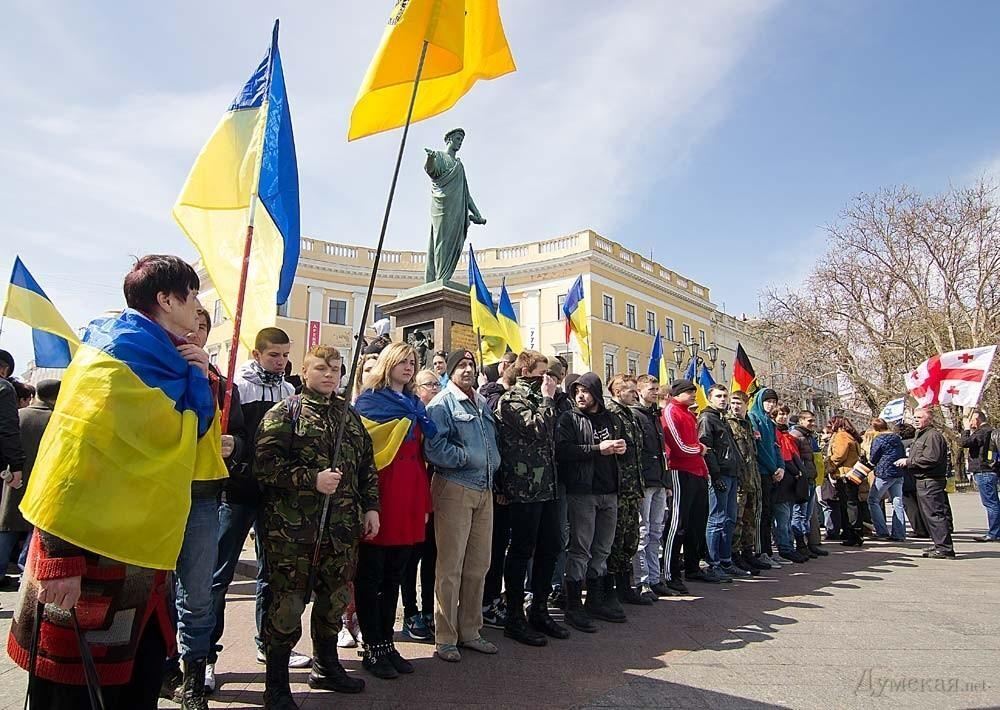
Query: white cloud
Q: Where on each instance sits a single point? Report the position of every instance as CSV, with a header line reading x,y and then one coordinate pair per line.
x,y
606,98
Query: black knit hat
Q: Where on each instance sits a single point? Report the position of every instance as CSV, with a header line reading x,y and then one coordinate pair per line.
x,y
456,357
678,387
7,359
768,394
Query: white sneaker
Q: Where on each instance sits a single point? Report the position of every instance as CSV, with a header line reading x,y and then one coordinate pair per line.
x,y
210,678
345,640
297,660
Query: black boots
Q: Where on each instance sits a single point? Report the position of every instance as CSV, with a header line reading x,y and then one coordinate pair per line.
x,y
600,603
328,674
193,690
802,548
576,615
517,626
277,693
540,620
627,593
375,660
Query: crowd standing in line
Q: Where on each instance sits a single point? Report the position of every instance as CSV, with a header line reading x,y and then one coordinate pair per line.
x,y
509,493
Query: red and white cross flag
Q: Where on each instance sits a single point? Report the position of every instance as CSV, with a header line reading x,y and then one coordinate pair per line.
x,y
955,378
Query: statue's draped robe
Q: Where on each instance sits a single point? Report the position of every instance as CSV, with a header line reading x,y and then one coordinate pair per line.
x,y
450,206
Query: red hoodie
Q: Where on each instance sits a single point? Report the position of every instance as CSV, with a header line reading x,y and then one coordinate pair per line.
x,y
680,431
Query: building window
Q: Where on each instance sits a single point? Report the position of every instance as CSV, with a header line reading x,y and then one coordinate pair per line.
x,y
609,308
516,305
672,374
633,366
701,340
213,355
686,331
609,366
560,302
650,322
568,357
630,316
219,315
670,330
377,313
283,308
338,312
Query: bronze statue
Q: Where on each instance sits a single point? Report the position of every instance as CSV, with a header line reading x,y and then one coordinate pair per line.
x,y
452,208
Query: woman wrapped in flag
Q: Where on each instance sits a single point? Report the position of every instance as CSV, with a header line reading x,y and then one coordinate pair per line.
x,y
136,422
397,422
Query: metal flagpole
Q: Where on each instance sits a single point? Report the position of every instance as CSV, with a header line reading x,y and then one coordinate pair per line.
x,y
364,318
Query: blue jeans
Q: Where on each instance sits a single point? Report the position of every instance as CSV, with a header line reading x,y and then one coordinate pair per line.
x,y
783,526
894,486
986,482
235,521
721,522
802,513
195,567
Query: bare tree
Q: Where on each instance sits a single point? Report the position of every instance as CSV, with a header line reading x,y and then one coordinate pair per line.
x,y
904,277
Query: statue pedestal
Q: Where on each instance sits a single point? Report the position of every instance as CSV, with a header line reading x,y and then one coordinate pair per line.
x,y
435,316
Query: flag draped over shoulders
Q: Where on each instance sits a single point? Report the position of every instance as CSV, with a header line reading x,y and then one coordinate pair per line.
x,y
134,425
390,418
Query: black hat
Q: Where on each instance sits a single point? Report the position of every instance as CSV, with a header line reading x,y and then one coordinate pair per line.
x,y
457,357
47,390
7,359
678,387
768,394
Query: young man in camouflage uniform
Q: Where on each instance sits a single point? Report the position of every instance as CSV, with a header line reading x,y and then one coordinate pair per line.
x,y
526,483
745,546
294,445
630,493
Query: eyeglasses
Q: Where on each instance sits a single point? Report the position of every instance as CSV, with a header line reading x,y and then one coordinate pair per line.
x,y
432,385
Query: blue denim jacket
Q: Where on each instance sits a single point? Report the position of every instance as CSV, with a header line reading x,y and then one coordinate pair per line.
x,y
465,450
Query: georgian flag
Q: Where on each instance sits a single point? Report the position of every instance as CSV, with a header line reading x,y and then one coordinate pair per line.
x,y
955,378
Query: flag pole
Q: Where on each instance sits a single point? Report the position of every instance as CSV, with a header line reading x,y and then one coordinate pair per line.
x,y
234,345
364,318
479,337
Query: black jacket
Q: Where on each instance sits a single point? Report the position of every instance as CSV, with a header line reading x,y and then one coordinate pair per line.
x,y
563,401
654,463
722,456
237,428
11,453
492,391
928,456
804,440
978,444
577,447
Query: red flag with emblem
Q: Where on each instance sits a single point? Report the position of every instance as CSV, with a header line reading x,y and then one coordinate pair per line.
x,y
955,378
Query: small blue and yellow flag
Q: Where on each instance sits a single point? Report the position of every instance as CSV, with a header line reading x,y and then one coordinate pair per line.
x,y
53,339
577,316
250,156
704,383
465,43
484,316
135,424
508,320
657,365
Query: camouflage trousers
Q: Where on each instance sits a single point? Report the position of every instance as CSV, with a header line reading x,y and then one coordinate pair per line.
x,y
626,536
288,565
745,533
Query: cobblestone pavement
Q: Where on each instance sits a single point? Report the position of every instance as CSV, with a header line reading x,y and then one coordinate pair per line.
x,y
859,629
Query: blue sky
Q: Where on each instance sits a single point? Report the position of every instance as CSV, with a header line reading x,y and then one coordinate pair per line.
x,y
698,133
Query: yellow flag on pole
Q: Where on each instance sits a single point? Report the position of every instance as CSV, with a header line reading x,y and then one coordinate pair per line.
x,y
465,43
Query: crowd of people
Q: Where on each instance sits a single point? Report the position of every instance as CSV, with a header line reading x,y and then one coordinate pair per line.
x,y
508,492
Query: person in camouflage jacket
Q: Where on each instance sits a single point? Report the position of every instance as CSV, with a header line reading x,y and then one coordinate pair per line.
x,y
294,445
746,546
630,491
526,482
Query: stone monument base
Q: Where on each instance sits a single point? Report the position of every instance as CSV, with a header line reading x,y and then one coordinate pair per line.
x,y
435,316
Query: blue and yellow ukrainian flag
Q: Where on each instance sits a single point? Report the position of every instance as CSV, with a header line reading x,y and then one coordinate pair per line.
x,y
135,424
484,317
577,315
657,365
508,320
53,339
704,383
247,164
390,418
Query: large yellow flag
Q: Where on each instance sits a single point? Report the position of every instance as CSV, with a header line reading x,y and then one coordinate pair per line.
x,y
466,42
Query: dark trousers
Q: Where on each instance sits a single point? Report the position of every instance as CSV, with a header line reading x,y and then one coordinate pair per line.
x,y
934,508
424,555
535,538
140,693
376,589
501,538
692,519
766,515
912,508
850,510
